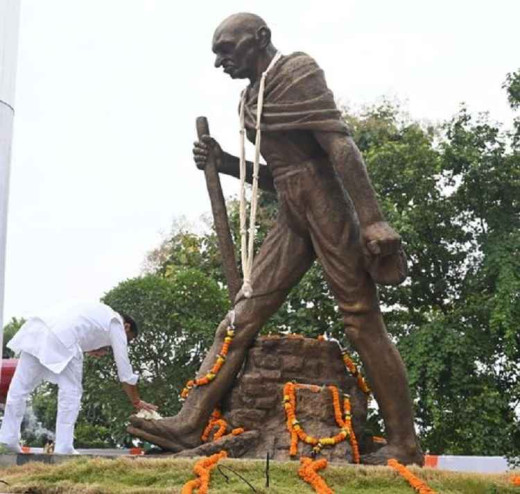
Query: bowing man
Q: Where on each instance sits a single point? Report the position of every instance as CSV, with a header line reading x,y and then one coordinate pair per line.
x,y
52,347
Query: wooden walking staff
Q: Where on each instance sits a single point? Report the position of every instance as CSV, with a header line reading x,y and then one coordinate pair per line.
x,y
220,217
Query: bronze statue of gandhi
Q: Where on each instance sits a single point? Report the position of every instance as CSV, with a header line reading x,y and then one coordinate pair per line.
x,y
328,212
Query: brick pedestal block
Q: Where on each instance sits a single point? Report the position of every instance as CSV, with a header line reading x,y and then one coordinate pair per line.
x,y
255,401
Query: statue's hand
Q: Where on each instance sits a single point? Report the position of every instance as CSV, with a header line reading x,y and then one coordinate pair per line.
x,y
206,149
380,239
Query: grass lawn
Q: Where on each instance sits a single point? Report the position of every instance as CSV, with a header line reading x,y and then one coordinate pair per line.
x,y
139,475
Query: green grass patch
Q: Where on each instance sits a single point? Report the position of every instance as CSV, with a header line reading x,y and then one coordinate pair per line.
x,y
161,476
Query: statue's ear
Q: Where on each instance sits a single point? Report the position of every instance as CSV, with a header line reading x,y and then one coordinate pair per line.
x,y
263,36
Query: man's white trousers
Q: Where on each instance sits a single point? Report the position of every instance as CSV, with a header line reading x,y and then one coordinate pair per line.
x,y
29,374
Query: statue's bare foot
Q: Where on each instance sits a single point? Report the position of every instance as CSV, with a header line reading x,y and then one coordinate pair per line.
x,y
172,433
402,454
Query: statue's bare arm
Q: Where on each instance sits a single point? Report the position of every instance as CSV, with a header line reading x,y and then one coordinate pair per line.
x,y
229,164
378,237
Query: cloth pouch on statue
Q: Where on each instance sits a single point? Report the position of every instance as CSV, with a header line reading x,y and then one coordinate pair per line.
x,y
388,270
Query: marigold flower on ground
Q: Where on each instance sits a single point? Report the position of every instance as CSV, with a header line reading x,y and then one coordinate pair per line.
x,y
203,471
420,486
308,472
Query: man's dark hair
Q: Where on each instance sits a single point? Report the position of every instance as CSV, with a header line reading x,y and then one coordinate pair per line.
x,y
133,324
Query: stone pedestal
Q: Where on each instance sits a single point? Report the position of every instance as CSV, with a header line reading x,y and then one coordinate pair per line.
x,y
255,401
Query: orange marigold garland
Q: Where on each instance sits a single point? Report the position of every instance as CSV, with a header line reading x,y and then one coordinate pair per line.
x,y
346,421
216,420
308,472
289,404
222,427
352,367
203,471
420,486
219,362
348,425
515,480
295,428
215,416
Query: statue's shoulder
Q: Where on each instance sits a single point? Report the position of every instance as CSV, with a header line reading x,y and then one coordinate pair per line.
x,y
298,76
298,61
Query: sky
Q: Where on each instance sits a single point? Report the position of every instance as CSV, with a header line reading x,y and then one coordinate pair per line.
x,y
107,93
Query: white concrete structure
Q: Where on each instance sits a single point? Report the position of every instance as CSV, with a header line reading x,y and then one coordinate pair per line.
x,y
9,22
480,464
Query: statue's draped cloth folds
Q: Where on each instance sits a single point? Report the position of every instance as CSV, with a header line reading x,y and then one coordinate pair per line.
x,y
296,97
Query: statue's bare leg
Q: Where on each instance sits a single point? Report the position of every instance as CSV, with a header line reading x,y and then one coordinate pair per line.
x,y
282,260
364,327
335,237
387,378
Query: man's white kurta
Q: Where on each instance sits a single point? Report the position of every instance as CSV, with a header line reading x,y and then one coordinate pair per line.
x,y
57,337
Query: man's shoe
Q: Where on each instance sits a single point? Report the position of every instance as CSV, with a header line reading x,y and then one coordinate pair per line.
x,y
66,452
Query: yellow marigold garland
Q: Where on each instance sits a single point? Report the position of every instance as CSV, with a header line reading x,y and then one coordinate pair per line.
x,y
219,362
308,472
203,471
420,486
296,431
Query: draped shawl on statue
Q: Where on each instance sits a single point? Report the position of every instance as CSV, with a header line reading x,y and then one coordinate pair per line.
x,y
296,97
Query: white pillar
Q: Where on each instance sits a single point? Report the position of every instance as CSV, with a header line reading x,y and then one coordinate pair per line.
x,y
9,21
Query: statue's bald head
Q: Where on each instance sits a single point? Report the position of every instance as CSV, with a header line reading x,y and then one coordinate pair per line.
x,y
240,43
241,23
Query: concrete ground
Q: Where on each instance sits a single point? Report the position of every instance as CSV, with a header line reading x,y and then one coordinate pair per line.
x,y
37,454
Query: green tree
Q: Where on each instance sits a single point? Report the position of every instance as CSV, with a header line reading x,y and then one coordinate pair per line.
x,y
10,329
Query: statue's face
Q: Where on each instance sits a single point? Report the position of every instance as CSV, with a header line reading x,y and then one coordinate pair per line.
x,y
236,51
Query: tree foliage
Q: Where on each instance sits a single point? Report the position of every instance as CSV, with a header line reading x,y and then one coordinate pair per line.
x,y
10,329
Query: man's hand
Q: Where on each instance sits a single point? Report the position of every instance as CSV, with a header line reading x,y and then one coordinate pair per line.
x,y
101,352
207,148
133,395
143,405
380,239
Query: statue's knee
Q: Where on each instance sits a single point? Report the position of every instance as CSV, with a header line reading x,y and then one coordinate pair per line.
x,y
353,333
352,325
363,326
